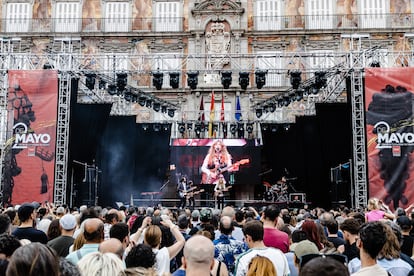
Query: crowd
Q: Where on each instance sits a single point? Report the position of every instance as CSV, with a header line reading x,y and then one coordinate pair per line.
x,y
41,239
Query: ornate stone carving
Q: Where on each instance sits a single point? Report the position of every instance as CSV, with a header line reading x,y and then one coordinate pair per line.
x,y
217,45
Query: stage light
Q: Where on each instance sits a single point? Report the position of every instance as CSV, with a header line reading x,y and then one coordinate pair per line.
x,y
102,84
203,127
244,80
192,79
375,63
148,103
197,129
286,127
171,112
259,112
320,80
121,81
157,79
264,126
142,100
189,126
226,79
112,89
286,100
224,127
298,95
166,127
164,109
47,66
156,106
249,128
272,107
274,128
128,96
260,78
215,127
240,130
295,79
145,127
157,127
233,128
280,101
90,80
174,79
181,128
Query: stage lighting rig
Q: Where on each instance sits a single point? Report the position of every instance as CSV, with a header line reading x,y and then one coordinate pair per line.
x,y
244,80
129,96
233,128
320,80
224,127
189,126
112,89
156,106
240,130
181,128
249,128
157,127
226,79
192,79
102,84
259,112
171,112
174,79
197,129
375,63
121,81
90,80
157,79
164,109
295,78
260,78
142,100
148,103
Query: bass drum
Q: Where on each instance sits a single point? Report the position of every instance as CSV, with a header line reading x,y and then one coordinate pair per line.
x,y
268,196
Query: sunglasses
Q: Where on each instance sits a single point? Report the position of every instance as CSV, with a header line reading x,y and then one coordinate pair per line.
x,y
339,257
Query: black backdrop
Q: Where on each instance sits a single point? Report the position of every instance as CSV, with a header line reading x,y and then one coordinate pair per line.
x,y
132,160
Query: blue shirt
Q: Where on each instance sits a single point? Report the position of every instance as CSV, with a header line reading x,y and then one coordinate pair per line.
x,y
75,256
227,249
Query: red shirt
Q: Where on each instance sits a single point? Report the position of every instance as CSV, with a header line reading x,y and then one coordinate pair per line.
x,y
276,238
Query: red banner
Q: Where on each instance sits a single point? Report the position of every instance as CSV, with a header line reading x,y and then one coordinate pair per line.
x,y
30,157
390,135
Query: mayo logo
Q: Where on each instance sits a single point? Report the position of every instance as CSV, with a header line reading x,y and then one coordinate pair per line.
x,y
23,138
387,139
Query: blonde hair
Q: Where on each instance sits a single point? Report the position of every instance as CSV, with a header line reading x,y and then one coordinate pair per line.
x,y
78,242
261,266
102,264
372,204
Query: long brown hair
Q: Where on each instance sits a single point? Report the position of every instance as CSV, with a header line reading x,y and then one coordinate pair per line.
x,y
224,152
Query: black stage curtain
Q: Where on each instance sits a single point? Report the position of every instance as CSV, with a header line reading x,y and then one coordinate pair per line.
x,y
307,152
132,160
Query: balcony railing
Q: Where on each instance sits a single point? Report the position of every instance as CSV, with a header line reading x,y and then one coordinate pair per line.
x,y
175,24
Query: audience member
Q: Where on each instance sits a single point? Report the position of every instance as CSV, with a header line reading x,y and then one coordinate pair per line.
x,y
54,230
34,259
407,241
261,266
253,231
102,264
93,234
312,233
198,256
324,266
140,256
304,248
375,213
350,228
27,215
112,246
332,231
273,237
5,224
66,268
120,231
62,243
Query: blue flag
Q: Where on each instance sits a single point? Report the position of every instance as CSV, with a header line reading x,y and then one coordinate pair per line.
x,y
238,114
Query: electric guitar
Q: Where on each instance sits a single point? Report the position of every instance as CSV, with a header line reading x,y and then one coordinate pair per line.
x,y
182,194
191,194
210,179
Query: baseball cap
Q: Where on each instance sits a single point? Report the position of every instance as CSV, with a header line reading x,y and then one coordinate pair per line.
x,y
205,214
305,247
195,214
403,221
60,210
68,222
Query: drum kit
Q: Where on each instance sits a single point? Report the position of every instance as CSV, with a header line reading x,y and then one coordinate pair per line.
x,y
277,192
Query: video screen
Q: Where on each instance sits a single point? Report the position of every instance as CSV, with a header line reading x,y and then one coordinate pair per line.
x,y
206,161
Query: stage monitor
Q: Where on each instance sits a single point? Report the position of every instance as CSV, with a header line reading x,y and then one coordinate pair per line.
x,y
207,161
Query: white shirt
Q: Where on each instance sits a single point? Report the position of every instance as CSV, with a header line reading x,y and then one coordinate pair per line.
x,y
162,263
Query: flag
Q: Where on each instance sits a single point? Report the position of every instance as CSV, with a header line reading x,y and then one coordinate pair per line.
x,y
212,113
201,112
238,114
222,108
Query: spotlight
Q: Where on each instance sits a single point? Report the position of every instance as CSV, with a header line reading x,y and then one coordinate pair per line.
x,y
181,127
249,128
90,80
259,112
286,127
166,127
174,79
157,79
295,79
224,127
260,78
157,127
280,101
145,126
286,100
121,81
243,80
233,128
112,89
148,103
197,129
272,107
192,79
240,130
226,79
47,66
156,107
375,63
215,127
189,126
274,127
298,95
102,84
142,100
320,79
171,112
264,126
164,109
128,96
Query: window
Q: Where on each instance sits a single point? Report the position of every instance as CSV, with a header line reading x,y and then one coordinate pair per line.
x,y
167,17
117,16
115,62
167,63
271,62
373,13
18,17
67,17
320,14
268,15
322,59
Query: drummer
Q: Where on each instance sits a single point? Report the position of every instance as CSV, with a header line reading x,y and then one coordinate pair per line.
x,y
280,186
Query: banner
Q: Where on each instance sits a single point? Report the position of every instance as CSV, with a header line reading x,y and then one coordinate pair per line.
x,y
30,154
390,137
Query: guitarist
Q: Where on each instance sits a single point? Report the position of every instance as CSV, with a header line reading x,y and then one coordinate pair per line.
x,y
219,190
190,196
217,159
182,189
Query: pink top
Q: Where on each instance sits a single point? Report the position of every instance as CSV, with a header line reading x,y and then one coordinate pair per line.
x,y
374,215
275,238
